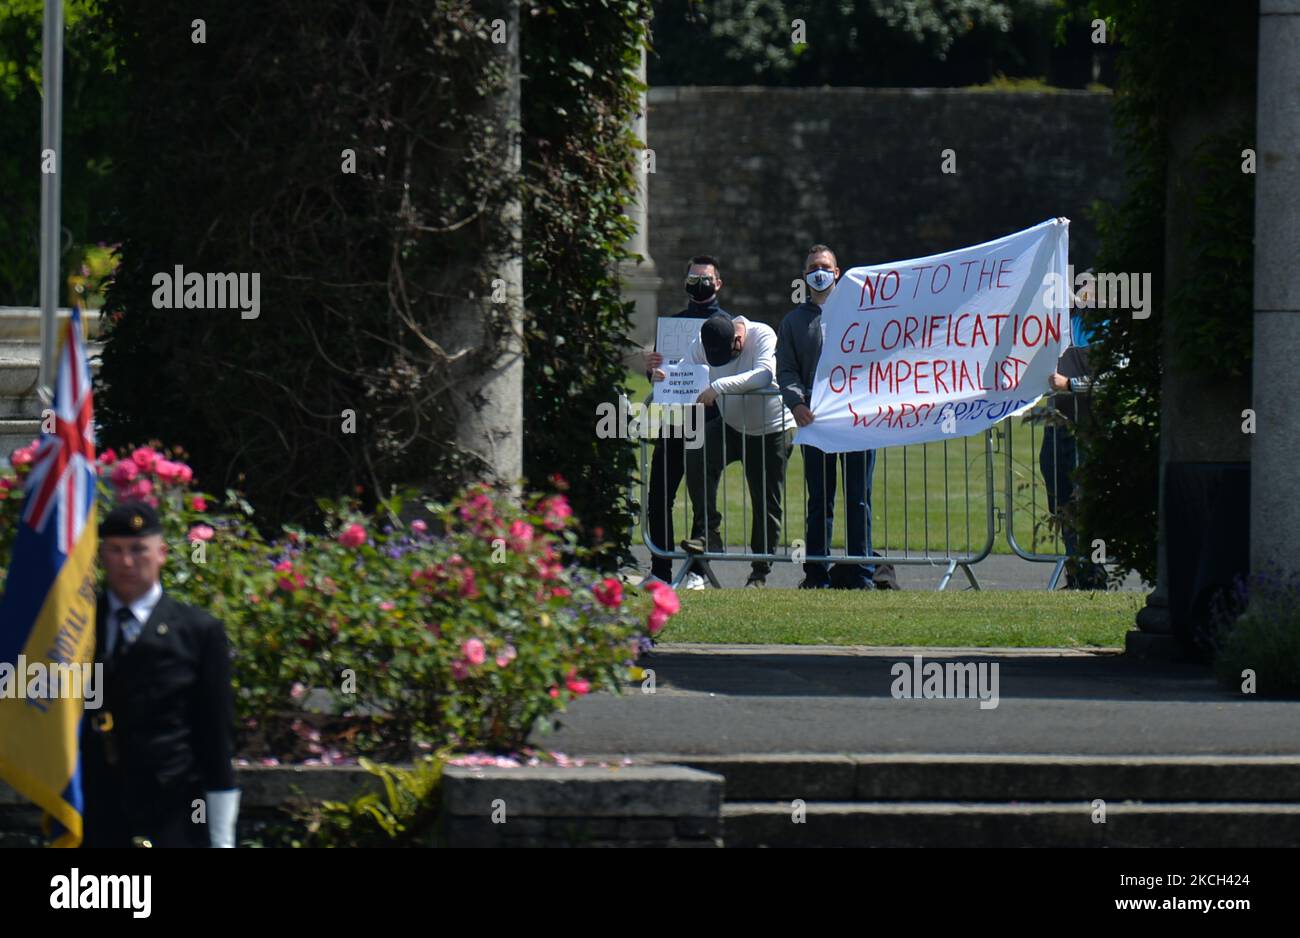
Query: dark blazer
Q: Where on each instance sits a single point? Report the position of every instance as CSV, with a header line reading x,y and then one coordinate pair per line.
x,y
172,738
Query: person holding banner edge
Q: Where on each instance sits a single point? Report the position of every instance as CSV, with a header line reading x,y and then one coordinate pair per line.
x,y
799,346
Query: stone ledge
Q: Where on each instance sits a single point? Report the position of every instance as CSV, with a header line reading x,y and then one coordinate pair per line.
x,y
657,791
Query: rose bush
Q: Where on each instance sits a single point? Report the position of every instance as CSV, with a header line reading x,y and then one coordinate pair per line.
x,y
380,636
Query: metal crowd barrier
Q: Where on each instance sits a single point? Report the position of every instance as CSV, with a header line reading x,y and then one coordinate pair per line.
x,y
1029,474
926,529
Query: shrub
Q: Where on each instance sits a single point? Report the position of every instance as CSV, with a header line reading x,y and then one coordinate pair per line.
x,y
1259,631
466,631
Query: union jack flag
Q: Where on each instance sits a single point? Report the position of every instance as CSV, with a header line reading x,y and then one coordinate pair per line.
x,y
61,485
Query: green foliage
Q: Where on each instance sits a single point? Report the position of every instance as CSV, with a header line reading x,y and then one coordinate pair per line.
x,y
1213,305
1259,631
467,631
91,114
235,162
852,42
580,96
404,814
233,165
1161,76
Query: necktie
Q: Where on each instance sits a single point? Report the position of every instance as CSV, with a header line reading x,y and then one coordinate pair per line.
x,y
128,628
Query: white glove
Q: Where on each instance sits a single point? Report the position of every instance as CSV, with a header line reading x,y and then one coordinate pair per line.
x,y
223,809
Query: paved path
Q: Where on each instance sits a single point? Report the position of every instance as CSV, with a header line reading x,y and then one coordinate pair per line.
x,y
713,699
998,571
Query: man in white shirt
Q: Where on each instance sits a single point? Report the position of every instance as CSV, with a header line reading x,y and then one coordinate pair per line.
x,y
755,428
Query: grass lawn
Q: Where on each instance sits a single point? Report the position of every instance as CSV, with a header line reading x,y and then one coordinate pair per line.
x,y
1028,618
925,498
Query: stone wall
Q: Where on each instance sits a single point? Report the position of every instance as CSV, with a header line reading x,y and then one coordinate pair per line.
x,y
756,175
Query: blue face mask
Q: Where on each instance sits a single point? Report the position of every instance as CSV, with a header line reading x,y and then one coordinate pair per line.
x,y
820,280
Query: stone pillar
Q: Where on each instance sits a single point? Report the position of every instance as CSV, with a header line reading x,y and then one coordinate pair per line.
x,y
640,280
1200,415
1275,461
490,393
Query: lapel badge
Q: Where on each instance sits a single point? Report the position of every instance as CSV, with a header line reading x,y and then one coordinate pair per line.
x,y
162,628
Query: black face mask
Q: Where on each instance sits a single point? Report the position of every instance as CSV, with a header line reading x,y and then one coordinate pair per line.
x,y
701,290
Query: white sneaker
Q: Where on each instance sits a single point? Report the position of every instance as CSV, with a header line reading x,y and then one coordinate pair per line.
x,y
694,581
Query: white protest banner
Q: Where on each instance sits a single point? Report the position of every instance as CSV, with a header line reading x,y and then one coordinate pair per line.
x,y
941,346
685,380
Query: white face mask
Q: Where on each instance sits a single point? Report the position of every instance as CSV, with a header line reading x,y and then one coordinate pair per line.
x,y
820,280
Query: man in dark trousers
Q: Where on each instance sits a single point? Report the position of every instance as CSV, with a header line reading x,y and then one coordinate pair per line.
x,y
156,758
668,460
798,347
1059,455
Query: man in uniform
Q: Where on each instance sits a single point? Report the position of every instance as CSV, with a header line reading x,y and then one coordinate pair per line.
x,y
156,758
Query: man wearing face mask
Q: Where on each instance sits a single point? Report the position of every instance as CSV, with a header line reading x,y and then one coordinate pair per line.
x,y
755,429
668,459
799,346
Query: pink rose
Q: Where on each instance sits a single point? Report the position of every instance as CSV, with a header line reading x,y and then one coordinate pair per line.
x,y
508,654
199,503
123,473
353,536
608,592
200,532
419,527
24,456
554,692
658,619
139,490
184,474
521,535
108,457
387,607
556,512
468,584
666,600
459,670
144,457
473,651
167,470
577,685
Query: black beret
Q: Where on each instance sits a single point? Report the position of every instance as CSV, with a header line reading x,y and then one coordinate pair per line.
x,y
131,519
716,335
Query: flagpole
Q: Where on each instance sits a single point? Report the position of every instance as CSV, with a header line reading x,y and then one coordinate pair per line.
x,y
51,229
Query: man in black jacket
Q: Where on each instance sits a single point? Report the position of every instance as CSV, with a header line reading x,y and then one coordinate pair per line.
x,y
668,460
156,757
798,348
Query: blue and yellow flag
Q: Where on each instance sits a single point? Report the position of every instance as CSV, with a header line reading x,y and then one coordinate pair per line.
x,y
47,614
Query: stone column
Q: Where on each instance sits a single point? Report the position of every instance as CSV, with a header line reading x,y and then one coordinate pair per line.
x,y
1275,460
1200,415
640,280
491,416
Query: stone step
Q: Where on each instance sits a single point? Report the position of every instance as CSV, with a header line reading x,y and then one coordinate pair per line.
x,y
24,322
15,434
1059,824
1001,778
20,363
